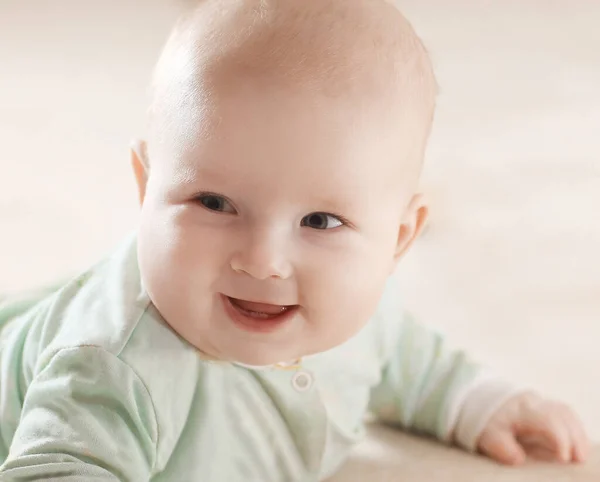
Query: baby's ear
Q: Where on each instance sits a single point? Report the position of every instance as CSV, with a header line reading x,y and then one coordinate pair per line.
x,y
139,162
415,219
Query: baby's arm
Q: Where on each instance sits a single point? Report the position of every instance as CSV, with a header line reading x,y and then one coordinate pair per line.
x,y
86,416
430,388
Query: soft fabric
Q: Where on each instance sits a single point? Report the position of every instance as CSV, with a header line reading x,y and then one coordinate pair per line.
x,y
94,385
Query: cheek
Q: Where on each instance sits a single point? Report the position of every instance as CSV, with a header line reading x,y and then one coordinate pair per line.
x,y
347,286
179,261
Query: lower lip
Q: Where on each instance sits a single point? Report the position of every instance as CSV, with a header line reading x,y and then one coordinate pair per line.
x,y
256,325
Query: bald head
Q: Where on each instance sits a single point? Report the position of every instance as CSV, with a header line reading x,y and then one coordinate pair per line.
x,y
363,51
313,42
284,144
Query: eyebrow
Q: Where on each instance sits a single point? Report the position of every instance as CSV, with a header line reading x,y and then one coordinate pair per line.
x,y
187,174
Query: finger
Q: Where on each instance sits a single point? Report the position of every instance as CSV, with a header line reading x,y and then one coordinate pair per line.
x,y
537,447
580,440
503,447
560,436
553,430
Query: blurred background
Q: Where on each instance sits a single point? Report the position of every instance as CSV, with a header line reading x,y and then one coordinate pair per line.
x,y
510,264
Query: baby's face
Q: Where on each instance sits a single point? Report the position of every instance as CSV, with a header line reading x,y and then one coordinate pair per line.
x,y
270,235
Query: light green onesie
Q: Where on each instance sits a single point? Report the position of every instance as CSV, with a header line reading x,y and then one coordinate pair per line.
x,y
94,385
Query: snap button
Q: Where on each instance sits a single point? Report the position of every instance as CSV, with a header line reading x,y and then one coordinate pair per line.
x,y
302,381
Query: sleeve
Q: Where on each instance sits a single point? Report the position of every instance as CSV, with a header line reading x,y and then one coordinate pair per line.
x,y
428,387
86,416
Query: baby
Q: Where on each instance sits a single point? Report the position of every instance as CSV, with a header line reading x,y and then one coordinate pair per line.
x,y
250,324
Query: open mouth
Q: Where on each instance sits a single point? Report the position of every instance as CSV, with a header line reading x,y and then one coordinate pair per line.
x,y
260,317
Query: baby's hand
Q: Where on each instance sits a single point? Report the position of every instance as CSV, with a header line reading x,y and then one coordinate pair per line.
x,y
528,425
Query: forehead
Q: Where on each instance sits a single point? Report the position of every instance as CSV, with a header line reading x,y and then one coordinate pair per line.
x,y
290,139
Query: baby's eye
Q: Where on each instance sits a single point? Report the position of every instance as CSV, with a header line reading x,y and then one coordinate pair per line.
x,y
321,221
213,202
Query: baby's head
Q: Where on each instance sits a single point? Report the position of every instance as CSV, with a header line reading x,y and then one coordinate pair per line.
x,y
278,180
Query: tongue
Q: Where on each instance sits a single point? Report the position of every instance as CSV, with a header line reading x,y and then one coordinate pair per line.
x,y
258,307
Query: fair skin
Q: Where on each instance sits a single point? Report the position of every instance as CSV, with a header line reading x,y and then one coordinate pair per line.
x,y
278,197
530,426
257,242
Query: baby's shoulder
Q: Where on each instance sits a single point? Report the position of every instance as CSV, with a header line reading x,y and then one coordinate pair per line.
x,y
107,313
102,307
105,307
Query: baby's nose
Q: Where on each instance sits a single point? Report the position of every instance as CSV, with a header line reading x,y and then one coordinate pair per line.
x,y
262,257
